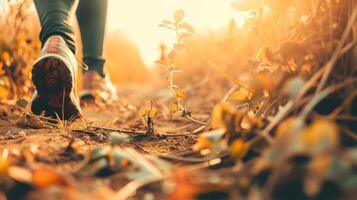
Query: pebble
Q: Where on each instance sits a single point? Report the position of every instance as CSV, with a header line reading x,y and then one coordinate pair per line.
x,y
22,134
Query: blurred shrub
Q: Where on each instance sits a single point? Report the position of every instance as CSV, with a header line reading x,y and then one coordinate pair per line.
x,y
124,61
19,46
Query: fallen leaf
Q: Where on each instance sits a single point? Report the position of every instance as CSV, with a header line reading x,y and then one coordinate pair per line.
x,y
43,178
202,143
184,189
321,135
4,164
238,149
241,96
222,115
289,126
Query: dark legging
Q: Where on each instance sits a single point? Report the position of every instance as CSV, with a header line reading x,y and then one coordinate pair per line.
x,y
55,17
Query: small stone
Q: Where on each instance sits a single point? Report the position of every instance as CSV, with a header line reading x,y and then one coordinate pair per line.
x,y
22,134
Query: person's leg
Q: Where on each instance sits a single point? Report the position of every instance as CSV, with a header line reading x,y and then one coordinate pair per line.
x,y
92,15
55,16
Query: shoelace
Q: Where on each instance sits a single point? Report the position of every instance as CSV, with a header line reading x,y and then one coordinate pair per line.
x,y
82,65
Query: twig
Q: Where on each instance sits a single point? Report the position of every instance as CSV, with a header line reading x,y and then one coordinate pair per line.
x,y
195,120
229,77
279,116
120,130
192,160
330,64
349,133
323,94
346,103
346,118
199,129
130,189
230,91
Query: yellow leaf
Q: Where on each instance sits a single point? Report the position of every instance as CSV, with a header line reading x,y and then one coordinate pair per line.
x,y
320,164
4,89
77,146
153,112
4,165
222,115
202,143
288,126
238,149
143,112
174,107
180,94
4,92
2,72
260,56
241,96
306,70
321,135
268,82
5,56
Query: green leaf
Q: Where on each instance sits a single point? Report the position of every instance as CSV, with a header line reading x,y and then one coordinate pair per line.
x,y
293,87
153,112
214,135
98,153
119,138
180,94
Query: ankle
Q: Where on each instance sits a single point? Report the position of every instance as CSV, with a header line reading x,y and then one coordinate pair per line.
x,y
89,78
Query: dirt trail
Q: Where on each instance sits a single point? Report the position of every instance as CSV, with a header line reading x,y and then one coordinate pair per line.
x,y
49,146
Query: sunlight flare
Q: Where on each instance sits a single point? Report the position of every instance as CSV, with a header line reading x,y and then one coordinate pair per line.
x,y
139,19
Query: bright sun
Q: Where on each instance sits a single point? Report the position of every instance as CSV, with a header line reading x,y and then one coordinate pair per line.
x,y
139,19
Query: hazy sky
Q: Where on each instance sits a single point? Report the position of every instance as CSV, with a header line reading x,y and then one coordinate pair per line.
x,y
139,19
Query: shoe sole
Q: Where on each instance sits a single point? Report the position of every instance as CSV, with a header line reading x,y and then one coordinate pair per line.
x,y
54,84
